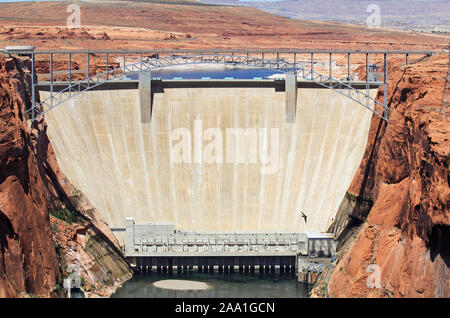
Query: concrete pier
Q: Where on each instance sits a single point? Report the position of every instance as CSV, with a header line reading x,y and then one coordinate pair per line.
x,y
145,96
291,97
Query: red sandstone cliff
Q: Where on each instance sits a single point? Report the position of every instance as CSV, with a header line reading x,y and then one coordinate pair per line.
x,y
28,261
397,208
86,246
31,187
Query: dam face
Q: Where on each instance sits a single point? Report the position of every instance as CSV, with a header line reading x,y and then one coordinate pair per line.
x,y
126,168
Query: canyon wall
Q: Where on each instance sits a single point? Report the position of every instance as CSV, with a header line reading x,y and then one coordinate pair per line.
x,y
33,259
28,263
124,166
396,213
87,247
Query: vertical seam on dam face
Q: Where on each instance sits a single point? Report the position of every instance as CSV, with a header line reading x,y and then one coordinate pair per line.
x,y
124,167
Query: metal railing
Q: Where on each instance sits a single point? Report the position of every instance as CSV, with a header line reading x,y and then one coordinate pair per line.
x,y
343,87
165,58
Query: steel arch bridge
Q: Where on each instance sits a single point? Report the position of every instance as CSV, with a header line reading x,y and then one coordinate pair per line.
x,y
304,71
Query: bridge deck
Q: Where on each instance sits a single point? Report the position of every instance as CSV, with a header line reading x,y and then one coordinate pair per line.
x,y
303,69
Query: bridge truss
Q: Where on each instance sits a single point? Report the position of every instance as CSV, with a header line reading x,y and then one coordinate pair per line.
x,y
151,60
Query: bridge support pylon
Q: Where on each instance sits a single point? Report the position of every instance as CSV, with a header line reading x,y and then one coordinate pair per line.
x,y
291,96
145,96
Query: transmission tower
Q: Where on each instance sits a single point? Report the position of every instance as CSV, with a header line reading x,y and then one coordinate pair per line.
x,y
447,83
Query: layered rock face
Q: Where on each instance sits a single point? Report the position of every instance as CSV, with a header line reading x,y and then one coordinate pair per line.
x,y
403,184
31,186
28,261
87,248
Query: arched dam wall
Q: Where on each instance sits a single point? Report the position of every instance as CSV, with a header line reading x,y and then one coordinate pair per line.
x,y
126,167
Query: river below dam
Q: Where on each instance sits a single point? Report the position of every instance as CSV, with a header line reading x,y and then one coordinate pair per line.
x,y
213,285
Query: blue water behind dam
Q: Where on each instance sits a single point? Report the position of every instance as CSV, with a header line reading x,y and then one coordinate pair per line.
x,y
235,73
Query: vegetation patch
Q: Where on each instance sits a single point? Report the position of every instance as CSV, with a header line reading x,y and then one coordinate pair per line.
x,y
67,216
358,199
322,291
54,227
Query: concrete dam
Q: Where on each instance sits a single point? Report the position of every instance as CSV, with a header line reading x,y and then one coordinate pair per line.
x,y
126,167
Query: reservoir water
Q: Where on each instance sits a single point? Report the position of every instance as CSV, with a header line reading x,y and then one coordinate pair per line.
x,y
212,73
232,285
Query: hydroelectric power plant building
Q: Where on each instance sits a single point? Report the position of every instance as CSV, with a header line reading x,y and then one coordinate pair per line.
x,y
160,246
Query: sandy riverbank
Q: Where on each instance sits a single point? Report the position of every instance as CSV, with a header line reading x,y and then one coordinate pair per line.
x,y
178,284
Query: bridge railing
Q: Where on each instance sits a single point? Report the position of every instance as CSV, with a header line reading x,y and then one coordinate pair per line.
x,y
304,69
